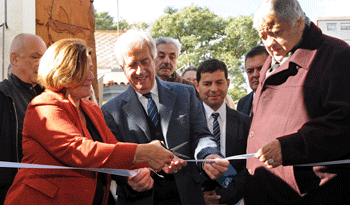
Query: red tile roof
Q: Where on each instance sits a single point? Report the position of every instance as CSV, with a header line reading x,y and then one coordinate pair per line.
x,y
105,41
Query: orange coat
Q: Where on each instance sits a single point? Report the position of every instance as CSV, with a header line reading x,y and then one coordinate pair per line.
x,y
53,134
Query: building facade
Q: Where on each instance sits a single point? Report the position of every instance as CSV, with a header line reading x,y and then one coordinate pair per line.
x,y
338,27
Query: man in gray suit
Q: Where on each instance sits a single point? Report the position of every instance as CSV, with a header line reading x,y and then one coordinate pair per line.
x,y
154,109
229,126
254,60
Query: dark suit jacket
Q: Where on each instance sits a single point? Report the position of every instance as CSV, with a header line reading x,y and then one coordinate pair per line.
x,y
181,112
245,103
237,128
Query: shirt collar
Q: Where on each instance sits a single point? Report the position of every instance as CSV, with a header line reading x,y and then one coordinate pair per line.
x,y
221,111
16,79
154,90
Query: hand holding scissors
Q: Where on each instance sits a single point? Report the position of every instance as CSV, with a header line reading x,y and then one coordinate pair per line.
x,y
177,163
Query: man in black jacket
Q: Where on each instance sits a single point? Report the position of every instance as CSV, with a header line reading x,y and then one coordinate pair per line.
x,y
15,94
254,60
229,127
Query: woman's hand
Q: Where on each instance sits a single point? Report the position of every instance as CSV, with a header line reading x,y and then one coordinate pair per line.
x,y
154,154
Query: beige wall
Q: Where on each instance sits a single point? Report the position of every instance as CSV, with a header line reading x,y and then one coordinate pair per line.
x,y
20,19
52,20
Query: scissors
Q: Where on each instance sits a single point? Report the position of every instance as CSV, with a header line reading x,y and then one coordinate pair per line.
x,y
173,150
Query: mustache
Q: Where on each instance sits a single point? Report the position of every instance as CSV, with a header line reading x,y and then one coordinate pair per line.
x,y
164,67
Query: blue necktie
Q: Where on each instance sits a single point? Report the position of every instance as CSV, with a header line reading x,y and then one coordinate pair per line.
x,y
226,178
216,128
152,109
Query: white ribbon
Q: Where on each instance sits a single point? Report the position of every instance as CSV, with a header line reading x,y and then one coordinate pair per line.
x,y
120,172
242,156
128,173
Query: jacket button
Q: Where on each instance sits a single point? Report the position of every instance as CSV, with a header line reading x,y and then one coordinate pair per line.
x,y
251,134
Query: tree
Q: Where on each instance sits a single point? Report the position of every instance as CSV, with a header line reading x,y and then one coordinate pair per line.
x,y
103,21
195,27
204,35
240,38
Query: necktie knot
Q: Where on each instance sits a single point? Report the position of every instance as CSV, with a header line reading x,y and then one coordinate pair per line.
x,y
148,95
215,115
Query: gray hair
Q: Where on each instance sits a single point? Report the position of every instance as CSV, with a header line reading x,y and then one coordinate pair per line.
x,y
131,38
18,43
167,40
189,68
288,10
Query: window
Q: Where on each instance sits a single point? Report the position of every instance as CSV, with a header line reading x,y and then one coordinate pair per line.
x,y
345,26
331,26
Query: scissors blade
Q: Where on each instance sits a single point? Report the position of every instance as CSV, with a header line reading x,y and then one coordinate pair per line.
x,y
173,150
178,146
181,155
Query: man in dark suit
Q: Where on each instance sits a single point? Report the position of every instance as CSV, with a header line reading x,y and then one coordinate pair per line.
x,y
254,60
154,109
231,131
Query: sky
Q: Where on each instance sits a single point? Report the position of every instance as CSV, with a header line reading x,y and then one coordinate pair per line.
x,y
149,10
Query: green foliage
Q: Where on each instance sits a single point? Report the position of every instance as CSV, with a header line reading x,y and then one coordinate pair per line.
x,y
204,35
103,21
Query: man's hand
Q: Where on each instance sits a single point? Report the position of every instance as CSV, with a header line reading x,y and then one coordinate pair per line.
x,y
142,181
270,154
215,169
175,165
211,198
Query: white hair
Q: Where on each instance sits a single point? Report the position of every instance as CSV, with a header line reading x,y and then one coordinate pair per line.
x,y
133,37
287,10
168,40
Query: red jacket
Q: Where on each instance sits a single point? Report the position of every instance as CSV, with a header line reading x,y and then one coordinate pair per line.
x,y
305,104
53,134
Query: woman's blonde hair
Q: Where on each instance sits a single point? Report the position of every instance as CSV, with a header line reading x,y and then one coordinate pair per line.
x,y
64,64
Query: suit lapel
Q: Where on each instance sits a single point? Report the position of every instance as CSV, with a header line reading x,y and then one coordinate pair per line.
x,y
134,110
166,103
248,103
230,131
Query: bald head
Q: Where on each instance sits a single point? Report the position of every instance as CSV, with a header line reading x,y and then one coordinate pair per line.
x,y
25,52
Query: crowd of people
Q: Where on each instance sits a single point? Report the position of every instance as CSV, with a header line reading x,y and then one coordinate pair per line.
x,y
297,115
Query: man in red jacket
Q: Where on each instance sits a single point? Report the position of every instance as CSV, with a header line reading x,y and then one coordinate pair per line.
x,y
301,112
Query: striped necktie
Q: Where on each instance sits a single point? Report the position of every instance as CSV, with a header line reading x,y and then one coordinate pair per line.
x,y
216,128
152,110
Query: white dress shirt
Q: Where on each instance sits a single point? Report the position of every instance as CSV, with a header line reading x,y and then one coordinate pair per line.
x,y
222,123
155,97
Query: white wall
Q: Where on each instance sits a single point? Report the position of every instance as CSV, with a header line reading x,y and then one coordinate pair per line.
x,y
20,19
338,33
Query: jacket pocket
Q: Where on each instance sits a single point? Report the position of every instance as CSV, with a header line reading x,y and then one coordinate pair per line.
x,y
181,119
42,185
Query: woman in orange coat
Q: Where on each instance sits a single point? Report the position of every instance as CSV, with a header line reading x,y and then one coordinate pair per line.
x,y
62,128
